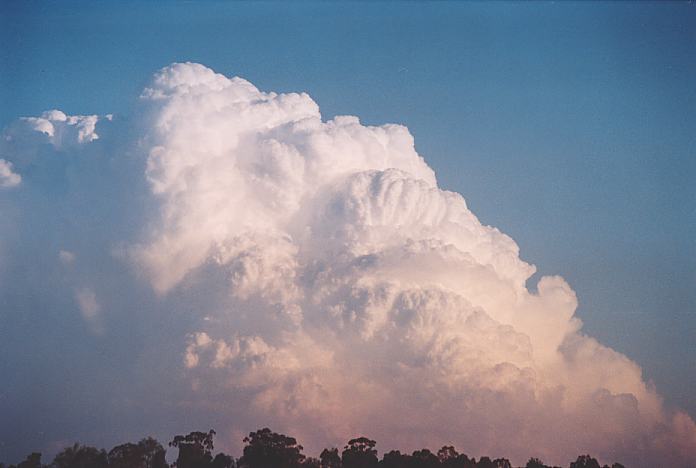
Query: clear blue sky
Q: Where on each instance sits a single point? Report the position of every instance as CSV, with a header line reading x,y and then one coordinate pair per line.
x,y
569,126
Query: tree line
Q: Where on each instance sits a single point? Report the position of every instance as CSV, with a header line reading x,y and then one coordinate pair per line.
x,y
267,449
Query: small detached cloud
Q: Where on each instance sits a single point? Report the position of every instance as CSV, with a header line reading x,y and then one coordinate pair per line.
x,y
62,129
66,257
89,309
21,140
8,178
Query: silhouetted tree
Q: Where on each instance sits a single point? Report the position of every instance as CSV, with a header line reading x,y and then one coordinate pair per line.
x,y
266,449
502,463
148,453
395,459
359,453
446,454
33,461
330,458
195,449
535,463
222,460
424,458
585,461
80,456
449,457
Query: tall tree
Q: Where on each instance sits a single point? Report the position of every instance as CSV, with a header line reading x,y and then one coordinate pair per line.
x,y
359,453
222,460
148,453
195,449
330,458
449,457
267,449
424,458
535,463
395,459
502,463
33,461
80,456
585,461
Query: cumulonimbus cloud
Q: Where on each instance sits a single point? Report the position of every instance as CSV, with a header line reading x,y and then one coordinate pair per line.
x,y
365,296
355,296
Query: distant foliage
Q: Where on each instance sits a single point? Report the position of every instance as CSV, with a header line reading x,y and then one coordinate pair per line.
x,y
267,449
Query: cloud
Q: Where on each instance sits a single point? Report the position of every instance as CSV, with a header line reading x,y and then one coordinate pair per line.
x,y
89,309
66,257
311,275
61,129
8,178
377,300
41,147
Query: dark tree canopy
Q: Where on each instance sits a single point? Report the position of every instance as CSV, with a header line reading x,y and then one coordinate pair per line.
x,y
502,463
148,453
395,459
425,458
222,460
585,461
267,449
81,456
195,449
330,458
33,461
535,463
360,453
447,454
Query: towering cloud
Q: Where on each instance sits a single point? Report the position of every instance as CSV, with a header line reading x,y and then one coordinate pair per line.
x,y
333,289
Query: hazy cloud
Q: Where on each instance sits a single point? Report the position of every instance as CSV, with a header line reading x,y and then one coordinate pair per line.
x,y
66,257
89,309
8,178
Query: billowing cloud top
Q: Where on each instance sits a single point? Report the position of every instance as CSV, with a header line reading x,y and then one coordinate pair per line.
x,y
353,295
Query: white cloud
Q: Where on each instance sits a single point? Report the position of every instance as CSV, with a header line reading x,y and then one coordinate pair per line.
x,y
326,286
376,301
63,130
8,178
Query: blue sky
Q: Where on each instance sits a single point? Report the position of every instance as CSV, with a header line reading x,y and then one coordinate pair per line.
x,y
569,126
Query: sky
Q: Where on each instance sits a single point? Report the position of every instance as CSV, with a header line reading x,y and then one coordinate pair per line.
x,y
570,127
